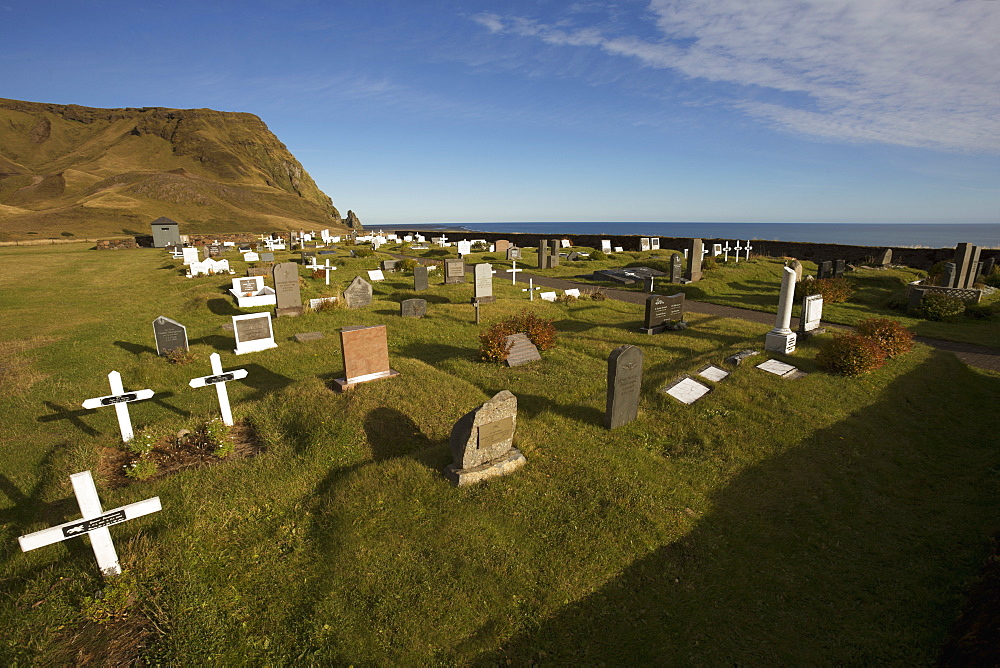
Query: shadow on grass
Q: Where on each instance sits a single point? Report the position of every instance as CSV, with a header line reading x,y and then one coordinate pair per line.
x,y
533,405
216,341
392,434
71,414
433,353
221,306
263,381
158,399
853,546
134,348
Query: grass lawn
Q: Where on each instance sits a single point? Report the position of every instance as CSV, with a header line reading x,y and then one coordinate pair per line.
x,y
820,520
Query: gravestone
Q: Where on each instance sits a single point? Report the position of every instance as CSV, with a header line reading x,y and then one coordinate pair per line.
x,y
549,296
988,265
286,287
365,351
825,269
305,337
654,243
375,275
553,258
482,442
796,266
464,247
812,314
661,311
253,333
686,389
306,255
189,255
543,253
520,350
484,284
251,257
389,265
624,385
839,266
970,276
644,244
606,245
716,250
454,271
358,293
885,258
781,339
513,253
169,335
501,246
413,308
694,260
419,278
676,268
267,257
948,275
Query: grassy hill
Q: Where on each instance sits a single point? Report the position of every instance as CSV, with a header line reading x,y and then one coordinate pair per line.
x,y
824,520
66,168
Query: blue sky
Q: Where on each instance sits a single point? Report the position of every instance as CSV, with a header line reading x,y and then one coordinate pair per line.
x,y
669,110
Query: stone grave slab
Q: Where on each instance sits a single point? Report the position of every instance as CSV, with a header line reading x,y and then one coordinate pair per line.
x,y
308,336
376,275
267,257
662,311
812,314
686,389
521,350
737,358
413,308
253,333
482,442
251,257
169,335
358,293
548,296
572,292
624,386
319,302
454,271
712,373
779,368
389,265
365,351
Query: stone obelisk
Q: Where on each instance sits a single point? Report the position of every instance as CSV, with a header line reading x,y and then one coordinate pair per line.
x,y
781,339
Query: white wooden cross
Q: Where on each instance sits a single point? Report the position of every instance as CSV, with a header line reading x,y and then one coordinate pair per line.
x,y
725,252
219,378
513,272
328,267
120,399
748,248
95,522
530,289
737,248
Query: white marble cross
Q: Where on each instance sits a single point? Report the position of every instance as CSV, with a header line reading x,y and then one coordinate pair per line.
x,y
748,248
120,399
725,252
513,272
95,522
219,378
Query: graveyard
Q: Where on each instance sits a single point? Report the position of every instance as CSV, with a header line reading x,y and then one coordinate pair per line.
x,y
783,519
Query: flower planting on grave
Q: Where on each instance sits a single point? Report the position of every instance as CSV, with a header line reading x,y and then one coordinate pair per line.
x,y
834,290
890,336
494,348
850,355
940,307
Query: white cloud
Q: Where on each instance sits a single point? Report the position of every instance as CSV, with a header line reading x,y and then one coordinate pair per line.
x,y
914,72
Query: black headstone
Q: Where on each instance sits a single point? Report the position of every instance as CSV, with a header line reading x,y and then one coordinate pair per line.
x,y
624,385
169,335
676,268
662,309
948,275
420,278
413,308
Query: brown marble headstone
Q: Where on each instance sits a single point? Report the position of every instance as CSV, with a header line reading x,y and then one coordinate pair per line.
x,y
365,351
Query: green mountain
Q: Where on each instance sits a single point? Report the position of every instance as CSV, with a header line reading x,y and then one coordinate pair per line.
x,y
87,171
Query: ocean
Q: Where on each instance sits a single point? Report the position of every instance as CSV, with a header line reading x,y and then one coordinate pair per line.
x,y
927,235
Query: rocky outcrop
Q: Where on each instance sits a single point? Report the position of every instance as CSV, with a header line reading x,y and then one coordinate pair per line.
x,y
353,222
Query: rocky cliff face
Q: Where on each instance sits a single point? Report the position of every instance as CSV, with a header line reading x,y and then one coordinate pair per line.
x,y
66,168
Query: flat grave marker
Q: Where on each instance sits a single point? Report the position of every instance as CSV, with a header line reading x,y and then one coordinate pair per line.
x,y
782,369
712,373
253,333
376,275
686,390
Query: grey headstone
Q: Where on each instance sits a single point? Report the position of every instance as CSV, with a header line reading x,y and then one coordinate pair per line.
x,y
454,271
306,255
358,293
543,253
825,269
413,308
694,260
676,268
486,433
521,351
812,313
267,257
796,266
258,271
839,267
973,267
963,256
988,265
286,288
737,359
885,258
624,386
948,275
501,245
573,256
169,335
553,257
916,296
484,283
308,336
513,253
419,278
389,265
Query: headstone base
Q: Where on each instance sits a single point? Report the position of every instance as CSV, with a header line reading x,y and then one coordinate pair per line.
x,y
780,342
344,384
500,466
484,300
288,310
812,332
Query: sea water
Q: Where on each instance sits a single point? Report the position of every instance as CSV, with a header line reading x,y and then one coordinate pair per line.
x,y
927,235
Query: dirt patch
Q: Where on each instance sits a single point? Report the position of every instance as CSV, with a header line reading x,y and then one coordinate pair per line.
x,y
118,643
179,452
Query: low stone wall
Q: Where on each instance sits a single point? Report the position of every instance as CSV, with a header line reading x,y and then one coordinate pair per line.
x,y
918,258
116,244
205,239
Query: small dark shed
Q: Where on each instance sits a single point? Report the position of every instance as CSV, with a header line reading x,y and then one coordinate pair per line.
x,y
166,232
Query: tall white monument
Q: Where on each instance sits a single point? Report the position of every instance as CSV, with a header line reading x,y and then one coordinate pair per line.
x,y
781,339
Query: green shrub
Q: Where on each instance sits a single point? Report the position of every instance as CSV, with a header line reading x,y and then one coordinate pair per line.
x,y
142,468
834,290
598,295
492,344
180,356
982,311
890,336
408,264
709,263
566,299
361,251
142,443
937,306
992,280
850,355
598,255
